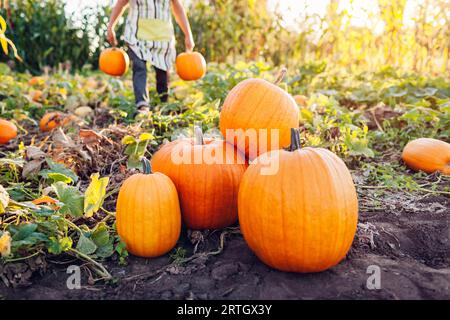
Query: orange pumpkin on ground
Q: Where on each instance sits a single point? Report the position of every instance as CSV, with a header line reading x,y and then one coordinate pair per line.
x,y
207,188
54,120
301,100
253,111
36,81
8,131
428,155
190,66
148,213
303,216
114,61
37,95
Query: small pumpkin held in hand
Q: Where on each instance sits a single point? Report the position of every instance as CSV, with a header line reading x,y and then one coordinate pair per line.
x,y
8,131
302,215
428,155
148,213
190,66
114,62
253,111
207,187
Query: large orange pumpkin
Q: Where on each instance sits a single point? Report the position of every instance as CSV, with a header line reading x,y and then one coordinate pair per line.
x,y
207,189
303,216
190,66
148,213
429,155
253,111
8,131
114,61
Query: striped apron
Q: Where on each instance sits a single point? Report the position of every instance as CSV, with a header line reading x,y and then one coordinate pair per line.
x,y
149,32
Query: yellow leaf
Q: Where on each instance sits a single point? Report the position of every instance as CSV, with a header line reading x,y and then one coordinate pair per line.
x,y
95,194
5,244
2,25
4,199
3,41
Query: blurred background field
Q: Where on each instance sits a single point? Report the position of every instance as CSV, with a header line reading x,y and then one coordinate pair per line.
x,y
410,35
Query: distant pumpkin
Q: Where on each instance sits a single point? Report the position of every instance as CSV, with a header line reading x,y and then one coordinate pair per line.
x,y
114,62
190,66
8,131
37,95
53,120
301,100
36,81
428,155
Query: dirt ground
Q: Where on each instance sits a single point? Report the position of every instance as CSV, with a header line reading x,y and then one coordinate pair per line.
x,y
409,241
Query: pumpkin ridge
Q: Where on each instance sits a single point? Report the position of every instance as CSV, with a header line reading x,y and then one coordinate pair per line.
x,y
287,256
341,226
267,125
315,209
141,227
257,112
161,237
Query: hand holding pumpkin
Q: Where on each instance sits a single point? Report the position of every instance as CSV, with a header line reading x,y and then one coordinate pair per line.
x,y
111,36
189,43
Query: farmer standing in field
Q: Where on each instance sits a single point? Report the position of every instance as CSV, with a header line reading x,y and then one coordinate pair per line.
x,y
149,35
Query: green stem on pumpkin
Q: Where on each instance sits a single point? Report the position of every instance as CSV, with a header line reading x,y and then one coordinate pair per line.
x,y
147,166
295,140
198,135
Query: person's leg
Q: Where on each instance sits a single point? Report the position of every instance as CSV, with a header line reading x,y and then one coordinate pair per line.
x,y
162,83
139,79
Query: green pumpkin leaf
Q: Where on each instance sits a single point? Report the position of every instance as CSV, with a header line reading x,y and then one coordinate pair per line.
x,y
55,176
57,246
86,245
57,168
24,231
100,236
105,251
71,197
95,194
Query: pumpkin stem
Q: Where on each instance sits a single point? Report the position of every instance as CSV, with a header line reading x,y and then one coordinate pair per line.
x,y
198,135
147,167
295,140
280,76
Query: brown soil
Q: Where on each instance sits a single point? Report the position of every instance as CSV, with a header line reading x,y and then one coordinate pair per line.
x,y
409,242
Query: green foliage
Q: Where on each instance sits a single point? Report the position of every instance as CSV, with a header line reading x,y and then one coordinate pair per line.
x,y
50,228
46,36
136,148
